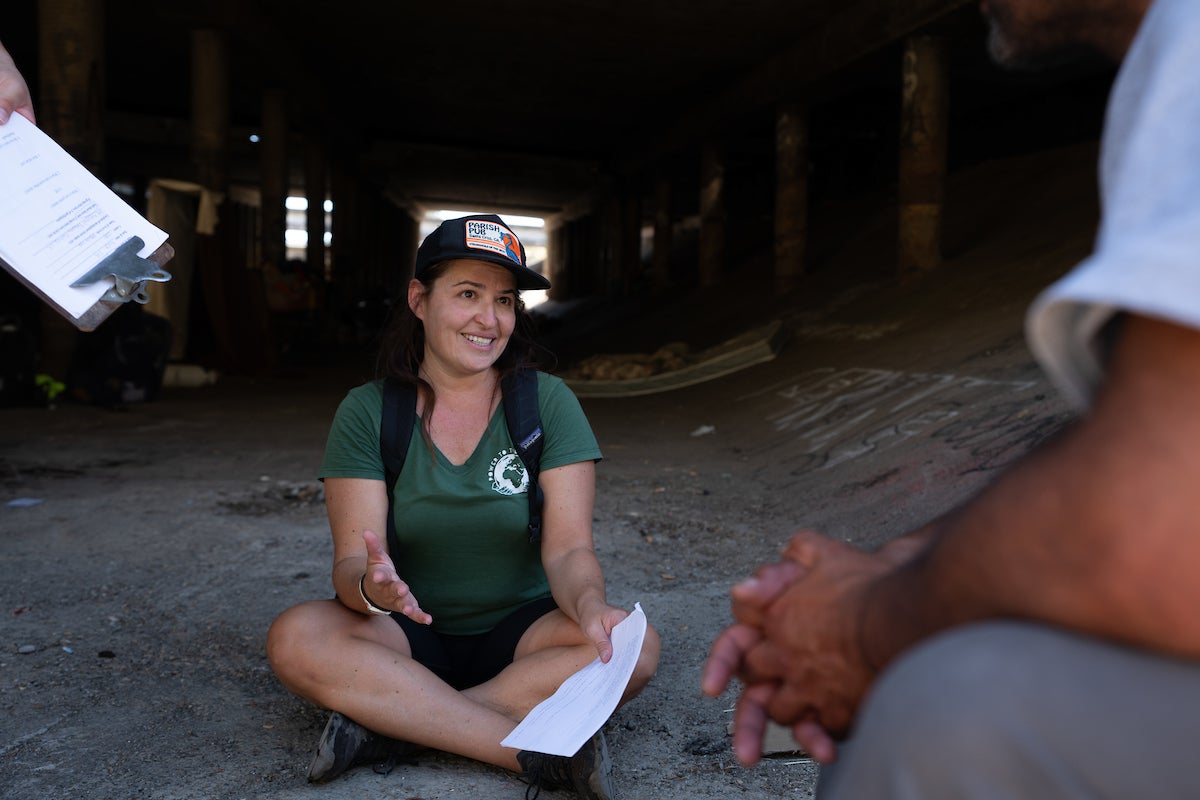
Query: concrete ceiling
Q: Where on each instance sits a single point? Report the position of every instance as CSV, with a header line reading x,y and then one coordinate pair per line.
x,y
520,105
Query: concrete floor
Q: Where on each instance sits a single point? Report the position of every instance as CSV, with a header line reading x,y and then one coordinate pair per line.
x,y
166,536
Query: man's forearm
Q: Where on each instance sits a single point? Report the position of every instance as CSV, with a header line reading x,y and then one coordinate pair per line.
x,y
1095,532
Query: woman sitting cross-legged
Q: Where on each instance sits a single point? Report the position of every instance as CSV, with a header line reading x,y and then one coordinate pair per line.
x,y
446,635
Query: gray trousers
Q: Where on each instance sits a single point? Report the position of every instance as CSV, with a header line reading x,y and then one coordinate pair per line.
x,y
1014,710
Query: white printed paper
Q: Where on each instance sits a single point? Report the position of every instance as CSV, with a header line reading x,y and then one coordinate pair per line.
x,y
563,722
57,220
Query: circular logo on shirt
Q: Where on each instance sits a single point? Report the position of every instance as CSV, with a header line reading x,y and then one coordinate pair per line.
x,y
507,473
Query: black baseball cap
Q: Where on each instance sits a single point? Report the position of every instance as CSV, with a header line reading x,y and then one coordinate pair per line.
x,y
483,237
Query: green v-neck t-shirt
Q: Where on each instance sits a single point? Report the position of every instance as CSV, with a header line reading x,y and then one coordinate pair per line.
x,y
462,529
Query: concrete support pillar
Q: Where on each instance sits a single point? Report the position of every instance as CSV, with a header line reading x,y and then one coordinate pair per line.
x,y
412,227
70,108
273,169
923,138
226,262
712,214
556,262
210,108
660,265
791,194
315,192
210,272
71,70
631,237
609,269
344,190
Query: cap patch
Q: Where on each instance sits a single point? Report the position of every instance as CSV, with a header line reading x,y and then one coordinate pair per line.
x,y
484,235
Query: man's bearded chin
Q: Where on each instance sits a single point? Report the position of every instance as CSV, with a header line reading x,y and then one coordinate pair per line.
x,y
1029,53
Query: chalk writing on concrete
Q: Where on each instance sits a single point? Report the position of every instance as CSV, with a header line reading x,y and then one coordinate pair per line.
x,y
829,416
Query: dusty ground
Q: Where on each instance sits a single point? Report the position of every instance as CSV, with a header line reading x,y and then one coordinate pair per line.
x,y
136,594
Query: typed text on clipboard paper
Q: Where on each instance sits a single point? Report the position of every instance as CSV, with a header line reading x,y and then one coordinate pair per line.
x,y
57,220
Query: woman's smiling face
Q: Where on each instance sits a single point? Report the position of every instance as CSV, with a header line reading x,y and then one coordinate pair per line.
x,y
468,313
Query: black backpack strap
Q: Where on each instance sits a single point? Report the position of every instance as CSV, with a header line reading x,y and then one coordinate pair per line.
x,y
519,389
395,432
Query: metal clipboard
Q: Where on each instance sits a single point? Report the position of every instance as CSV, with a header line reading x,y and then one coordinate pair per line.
x,y
128,272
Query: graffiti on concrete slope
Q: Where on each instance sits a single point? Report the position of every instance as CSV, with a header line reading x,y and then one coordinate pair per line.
x,y
829,416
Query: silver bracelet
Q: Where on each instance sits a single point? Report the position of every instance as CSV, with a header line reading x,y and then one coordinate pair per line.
x,y
371,607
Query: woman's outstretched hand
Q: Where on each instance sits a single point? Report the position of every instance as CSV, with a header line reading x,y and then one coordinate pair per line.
x,y
383,584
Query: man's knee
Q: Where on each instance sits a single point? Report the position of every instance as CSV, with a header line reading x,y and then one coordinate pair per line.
x,y
964,698
947,687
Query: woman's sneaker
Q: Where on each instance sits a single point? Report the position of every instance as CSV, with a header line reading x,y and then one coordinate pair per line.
x,y
588,772
344,744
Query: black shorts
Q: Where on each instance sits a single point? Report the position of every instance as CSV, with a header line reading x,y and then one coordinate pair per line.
x,y
465,661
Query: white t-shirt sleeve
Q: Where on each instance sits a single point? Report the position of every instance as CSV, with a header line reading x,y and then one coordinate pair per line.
x,y
1147,255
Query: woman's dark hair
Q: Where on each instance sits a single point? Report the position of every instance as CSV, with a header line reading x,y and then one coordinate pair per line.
x,y
402,344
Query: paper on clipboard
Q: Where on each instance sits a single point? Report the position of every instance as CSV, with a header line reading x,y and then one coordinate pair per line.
x,y
562,723
57,220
